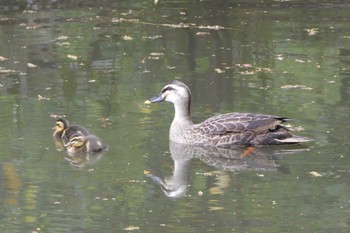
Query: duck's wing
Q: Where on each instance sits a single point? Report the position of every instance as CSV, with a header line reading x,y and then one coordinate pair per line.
x,y
239,123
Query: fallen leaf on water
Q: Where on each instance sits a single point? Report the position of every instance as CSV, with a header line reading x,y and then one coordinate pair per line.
x,y
245,65
56,115
132,228
136,181
300,61
215,27
33,27
73,57
3,58
301,87
7,71
157,54
280,57
219,71
62,38
312,31
202,33
43,98
116,20
65,43
146,172
315,174
152,37
127,38
31,65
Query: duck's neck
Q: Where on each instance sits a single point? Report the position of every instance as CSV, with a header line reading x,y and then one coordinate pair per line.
x,y
181,124
182,113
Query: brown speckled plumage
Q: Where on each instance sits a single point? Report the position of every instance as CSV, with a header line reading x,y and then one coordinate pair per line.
x,y
85,144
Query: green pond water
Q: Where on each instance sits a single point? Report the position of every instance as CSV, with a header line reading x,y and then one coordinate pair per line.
x,y
96,62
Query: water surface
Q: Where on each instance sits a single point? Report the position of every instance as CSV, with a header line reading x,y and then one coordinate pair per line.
x,y
96,64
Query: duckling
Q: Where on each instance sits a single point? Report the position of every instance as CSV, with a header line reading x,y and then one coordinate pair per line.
x,y
63,131
224,130
90,143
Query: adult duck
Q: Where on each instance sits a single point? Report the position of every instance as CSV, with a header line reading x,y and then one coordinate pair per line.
x,y
224,130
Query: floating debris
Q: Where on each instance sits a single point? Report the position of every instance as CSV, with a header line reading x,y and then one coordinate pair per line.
x,y
219,71
312,31
152,37
202,33
301,87
280,57
127,38
43,98
157,54
56,115
34,27
65,43
31,65
3,58
73,57
132,228
315,174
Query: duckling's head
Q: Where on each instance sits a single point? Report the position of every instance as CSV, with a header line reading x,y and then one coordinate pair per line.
x,y
76,140
175,92
61,125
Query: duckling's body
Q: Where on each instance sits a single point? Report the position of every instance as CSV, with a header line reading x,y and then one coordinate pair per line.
x,y
85,144
224,130
63,131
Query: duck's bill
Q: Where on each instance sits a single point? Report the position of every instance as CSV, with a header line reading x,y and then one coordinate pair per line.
x,y
157,98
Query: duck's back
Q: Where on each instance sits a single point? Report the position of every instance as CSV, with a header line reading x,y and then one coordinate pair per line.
x,y
241,129
238,123
94,144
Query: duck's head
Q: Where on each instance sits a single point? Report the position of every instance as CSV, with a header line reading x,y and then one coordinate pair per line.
x,y
175,92
77,140
61,125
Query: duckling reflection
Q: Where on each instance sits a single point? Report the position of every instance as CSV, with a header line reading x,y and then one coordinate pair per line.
x,y
239,159
81,160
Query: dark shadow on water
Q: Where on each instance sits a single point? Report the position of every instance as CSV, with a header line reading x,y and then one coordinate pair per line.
x,y
263,159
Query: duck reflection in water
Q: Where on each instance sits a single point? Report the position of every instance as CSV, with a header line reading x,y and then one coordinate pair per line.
x,y
234,160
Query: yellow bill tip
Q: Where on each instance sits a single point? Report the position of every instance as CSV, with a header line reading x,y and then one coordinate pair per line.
x,y
147,102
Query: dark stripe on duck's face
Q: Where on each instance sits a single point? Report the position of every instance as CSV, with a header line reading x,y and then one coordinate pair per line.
x,y
167,88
